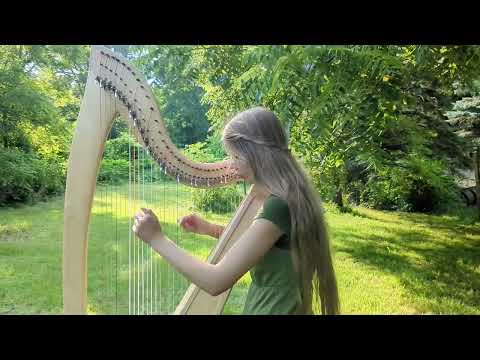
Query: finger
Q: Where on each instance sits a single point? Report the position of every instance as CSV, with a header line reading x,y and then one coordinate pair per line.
x,y
147,211
134,228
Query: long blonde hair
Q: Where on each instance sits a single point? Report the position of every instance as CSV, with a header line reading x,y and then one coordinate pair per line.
x,y
257,135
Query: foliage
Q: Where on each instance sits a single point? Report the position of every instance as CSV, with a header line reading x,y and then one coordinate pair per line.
x,y
176,92
219,199
39,93
361,107
465,119
114,171
413,185
26,178
352,113
121,147
124,160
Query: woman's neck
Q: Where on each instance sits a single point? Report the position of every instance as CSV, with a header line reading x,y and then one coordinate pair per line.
x,y
261,190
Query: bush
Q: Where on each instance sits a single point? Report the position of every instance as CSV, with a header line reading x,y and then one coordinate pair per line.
x,y
417,184
115,164
219,200
118,148
26,178
113,171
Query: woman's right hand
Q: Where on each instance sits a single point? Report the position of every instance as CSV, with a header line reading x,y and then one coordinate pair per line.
x,y
194,223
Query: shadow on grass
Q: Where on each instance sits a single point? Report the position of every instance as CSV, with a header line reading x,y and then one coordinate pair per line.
x,y
441,273
455,224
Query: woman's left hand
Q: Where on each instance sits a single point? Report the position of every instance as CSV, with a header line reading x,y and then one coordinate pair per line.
x,y
146,225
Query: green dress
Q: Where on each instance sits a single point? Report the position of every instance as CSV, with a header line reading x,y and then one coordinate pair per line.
x,y
274,287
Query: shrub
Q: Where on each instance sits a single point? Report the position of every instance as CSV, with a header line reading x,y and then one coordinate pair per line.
x,y
26,178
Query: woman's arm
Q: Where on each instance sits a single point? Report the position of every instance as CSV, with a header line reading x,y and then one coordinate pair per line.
x,y
212,278
196,224
215,230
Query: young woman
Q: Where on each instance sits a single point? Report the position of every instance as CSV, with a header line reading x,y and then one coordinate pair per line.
x,y
286,248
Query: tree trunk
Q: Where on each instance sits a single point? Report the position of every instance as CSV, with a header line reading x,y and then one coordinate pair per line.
x,y
476,170
339,198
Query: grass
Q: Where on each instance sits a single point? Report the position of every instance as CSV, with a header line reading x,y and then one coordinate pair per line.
x,y
386,262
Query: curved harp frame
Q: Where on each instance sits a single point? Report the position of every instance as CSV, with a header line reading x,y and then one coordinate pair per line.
x,y
114,87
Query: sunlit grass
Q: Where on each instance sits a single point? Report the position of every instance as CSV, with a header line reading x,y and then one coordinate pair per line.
x,y
386,262
404,263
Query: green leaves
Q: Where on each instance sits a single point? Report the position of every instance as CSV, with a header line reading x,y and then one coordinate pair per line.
x,y
40,89
346,104
173,74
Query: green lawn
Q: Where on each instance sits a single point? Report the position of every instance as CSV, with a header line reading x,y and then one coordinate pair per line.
x,y
386,263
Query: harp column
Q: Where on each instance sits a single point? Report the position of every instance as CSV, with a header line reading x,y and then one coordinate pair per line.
x,y
95,119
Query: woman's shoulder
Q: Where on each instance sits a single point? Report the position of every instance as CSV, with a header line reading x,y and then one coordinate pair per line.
x,y
276,210
275,203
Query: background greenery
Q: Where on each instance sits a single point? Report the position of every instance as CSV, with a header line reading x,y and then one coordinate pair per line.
x,y
384,131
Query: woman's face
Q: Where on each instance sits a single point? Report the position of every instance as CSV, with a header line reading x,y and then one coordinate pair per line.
x,y
241,167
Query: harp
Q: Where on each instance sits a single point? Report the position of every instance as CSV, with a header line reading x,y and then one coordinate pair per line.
x,y
116,88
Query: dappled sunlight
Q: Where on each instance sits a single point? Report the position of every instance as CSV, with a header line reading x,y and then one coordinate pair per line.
x,y
386,263
143,277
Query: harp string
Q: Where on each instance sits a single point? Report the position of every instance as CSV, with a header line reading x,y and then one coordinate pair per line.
x,y
111,234
138,266
110,245
151,250
175,280
141,184
115,214
135,242
150,279
99,123
144,267
129,222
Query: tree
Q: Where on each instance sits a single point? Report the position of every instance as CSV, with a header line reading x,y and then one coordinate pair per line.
x,y
39,92
465,119
171,77
368,108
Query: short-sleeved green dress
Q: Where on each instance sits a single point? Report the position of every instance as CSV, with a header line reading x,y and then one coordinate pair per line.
x,y
274,287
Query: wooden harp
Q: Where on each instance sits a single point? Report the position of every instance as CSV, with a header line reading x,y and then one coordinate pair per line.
x,y
116,88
